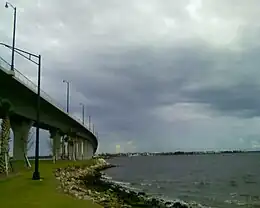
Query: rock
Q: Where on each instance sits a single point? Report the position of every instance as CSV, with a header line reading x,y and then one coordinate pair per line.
x,y
74,180
103,199
179,205
126,206
141,193
168,204
89,192
86,197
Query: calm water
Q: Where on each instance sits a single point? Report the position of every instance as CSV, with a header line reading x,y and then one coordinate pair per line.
x,y
226,181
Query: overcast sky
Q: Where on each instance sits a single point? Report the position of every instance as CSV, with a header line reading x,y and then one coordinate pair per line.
x,y
154,75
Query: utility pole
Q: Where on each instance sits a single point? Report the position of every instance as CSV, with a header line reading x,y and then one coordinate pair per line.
x,y
7,4
68,94
83,113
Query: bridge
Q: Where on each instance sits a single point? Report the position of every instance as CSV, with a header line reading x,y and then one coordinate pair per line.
x,y
21,93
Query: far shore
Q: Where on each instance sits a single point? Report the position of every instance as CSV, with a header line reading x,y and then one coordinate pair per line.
x,y
131,154
114,155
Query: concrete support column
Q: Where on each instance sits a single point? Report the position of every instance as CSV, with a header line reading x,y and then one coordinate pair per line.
x,y
21,128
85,149
82,149
66,146
88,149
62,148
80,152
76,149
71,149
56,144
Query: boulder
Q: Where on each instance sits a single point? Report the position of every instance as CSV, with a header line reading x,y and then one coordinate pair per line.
x,y
74,180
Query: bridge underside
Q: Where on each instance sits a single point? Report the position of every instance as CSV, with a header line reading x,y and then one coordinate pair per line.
x,y
22,113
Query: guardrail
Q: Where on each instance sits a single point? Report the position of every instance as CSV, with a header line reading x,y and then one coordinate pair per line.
x,y
28,83
4,63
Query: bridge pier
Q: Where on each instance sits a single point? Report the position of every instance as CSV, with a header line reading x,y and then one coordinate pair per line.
x,y
79,149
87,149
56,142
63,148
82,149
71,149
76,149
21,128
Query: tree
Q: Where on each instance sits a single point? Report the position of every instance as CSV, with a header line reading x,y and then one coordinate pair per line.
x,y
5,112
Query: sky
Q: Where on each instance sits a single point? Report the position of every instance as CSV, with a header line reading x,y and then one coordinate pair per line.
x,y
154,75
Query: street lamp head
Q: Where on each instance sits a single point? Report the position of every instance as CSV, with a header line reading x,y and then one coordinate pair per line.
x,y
7,5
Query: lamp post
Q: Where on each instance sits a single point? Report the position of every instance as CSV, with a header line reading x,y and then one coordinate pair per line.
x,y
68,96
89,123
83,113
36,174
68,93
7,4
29,56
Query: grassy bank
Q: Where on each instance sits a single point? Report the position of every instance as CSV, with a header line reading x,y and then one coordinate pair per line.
x,y
19,190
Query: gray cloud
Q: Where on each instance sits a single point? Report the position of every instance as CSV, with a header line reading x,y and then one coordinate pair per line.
x,y
158,75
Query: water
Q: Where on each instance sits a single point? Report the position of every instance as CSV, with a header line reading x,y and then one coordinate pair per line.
x,y
225,181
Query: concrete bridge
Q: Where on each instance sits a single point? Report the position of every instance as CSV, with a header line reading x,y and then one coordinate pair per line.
x,y
21,93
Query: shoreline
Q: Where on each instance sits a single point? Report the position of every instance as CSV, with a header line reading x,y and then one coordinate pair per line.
x,y
89,183
176,153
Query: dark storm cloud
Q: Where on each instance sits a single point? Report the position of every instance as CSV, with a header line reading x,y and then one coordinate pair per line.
x,y
240,100
131,84
239,97
134,82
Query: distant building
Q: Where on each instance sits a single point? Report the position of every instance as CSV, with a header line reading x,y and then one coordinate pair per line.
x,y
117,148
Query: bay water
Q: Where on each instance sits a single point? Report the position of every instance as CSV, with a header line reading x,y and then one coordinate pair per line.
x,y
211,180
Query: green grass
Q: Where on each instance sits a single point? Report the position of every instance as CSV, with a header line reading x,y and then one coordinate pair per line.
x,y
20,190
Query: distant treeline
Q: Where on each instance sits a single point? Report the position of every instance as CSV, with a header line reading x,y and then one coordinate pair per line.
x,y
201,153
109,155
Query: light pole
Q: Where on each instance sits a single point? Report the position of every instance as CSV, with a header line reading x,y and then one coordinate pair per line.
x,y
83,113
7,4
29,56
89,123
36,174
68,93
68,97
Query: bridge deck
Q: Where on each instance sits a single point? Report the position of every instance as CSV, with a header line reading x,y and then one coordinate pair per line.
x,y
18,76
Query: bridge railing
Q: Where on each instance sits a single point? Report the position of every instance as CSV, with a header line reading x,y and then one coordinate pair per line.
x,y
28,83
4,64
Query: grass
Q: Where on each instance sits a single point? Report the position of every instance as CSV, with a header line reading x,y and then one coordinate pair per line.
x,y
19,190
